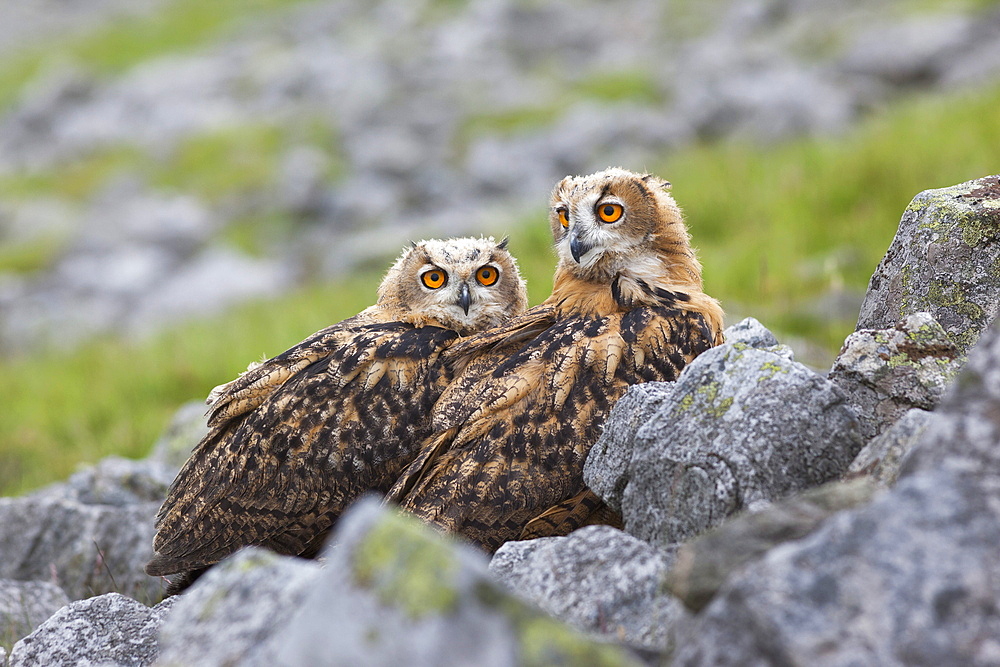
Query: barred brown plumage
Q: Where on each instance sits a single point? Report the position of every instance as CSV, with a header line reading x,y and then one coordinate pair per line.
x,y
295,439
512,430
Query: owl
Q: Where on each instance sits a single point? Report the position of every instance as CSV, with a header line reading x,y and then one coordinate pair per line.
x,y
296,438
512,431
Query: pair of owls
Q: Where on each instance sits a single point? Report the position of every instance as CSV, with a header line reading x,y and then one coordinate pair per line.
x,y
448,396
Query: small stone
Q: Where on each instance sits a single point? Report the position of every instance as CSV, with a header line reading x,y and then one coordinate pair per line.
x,y
887,372
108,629
883,456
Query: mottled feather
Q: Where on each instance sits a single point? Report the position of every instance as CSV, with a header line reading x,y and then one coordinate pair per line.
x,y
295,439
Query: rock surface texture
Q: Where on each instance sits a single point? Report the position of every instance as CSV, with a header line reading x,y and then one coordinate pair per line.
x,y
599,580
911,579
743,426
944,260
887,372
90,535
391,592
109,629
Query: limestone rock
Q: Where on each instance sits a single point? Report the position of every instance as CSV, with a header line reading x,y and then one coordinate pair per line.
x,y
743,427
882,458
599,580
225,617
24,605
397,593
942,260
704,564
607,467
110,629
910,579
887,372
87,549
606,470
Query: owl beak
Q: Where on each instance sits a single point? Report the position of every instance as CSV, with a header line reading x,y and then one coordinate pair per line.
x,y
577,247
464,297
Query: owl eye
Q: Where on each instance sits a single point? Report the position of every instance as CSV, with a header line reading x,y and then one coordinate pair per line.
x,y
487,275
563,217
434,278
610,212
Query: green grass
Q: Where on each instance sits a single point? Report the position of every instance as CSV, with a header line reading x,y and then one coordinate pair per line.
x,y
179,26
776,227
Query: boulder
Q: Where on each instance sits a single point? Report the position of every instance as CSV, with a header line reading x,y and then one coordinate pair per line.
x,y
599,580
607,465
225,617
887,372
942,260
110,629
397,593
911,578
743,426
24,605
92,534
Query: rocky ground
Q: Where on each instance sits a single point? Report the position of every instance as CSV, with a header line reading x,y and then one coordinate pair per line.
x,y
773,515
381,122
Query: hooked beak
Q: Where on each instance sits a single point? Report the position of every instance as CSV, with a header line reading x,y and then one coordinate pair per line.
x,y
464,297
577,247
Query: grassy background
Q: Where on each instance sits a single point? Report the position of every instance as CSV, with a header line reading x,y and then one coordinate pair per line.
x,y
779,229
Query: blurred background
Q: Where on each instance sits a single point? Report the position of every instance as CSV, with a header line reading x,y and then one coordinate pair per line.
x,y
188,185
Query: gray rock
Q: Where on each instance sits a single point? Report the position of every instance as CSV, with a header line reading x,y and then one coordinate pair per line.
x,y
599,580
743,427
606,470
86,549
964,434
750,332
110,629
942,260
397,593
882,458
24,605
910,579
225,617
887,372
704,564
607,465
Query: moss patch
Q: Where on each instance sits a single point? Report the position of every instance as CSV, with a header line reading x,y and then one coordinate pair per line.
x,y
407,567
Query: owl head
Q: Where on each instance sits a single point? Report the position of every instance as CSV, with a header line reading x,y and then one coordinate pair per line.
x,y
465,284
617,222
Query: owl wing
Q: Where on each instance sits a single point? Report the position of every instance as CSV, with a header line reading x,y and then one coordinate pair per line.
x,y
281,474
516,437
260,380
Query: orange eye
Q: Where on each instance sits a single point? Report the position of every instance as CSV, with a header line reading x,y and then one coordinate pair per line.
x,y
563,218
434,278
610,212
487,275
